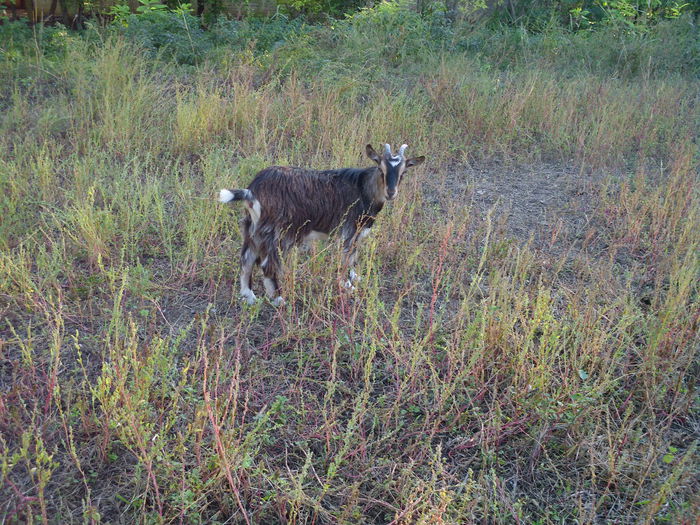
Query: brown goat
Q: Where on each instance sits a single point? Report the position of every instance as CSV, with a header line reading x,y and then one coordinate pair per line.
x,y
290,206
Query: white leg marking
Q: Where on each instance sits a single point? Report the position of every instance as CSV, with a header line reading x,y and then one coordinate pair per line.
x,y
270,288
246,293
279,301
248,296
364,232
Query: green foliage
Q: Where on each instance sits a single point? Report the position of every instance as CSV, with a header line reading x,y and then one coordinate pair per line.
x,y
667,47
150,7
14,36
391,35
315,7
120,14
627,15
174,34
264,34
49,41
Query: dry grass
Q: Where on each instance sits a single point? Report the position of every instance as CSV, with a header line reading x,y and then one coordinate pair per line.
x,y
473,377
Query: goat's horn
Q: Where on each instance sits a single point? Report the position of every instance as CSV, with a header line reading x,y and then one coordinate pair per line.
x,y
387,149
402,149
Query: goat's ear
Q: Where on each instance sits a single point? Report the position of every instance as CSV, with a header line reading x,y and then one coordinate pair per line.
x,y
415,161
372,154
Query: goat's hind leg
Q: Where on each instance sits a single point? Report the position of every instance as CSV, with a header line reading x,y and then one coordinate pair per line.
x,y
272,287
271,269
249,257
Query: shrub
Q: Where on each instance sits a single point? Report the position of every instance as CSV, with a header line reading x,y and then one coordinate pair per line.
x,y
316,7
177,35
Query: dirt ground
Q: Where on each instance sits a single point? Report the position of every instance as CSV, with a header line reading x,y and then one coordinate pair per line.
x,y
529,201
536,198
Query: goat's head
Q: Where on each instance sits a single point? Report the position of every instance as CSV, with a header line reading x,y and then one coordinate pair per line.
x,y
392,167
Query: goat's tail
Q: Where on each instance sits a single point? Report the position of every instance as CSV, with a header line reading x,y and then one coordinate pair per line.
x,y
236,195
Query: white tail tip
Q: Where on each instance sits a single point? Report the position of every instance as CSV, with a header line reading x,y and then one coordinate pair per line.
x,y
225,196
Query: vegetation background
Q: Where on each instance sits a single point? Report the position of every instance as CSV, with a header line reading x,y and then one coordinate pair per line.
x,y
524,344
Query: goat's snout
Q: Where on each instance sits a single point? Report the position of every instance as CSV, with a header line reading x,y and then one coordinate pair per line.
x,y
390,194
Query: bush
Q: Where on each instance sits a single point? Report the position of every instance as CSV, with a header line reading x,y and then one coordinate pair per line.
x,y
266,33
18,35
316,7
630,15
391,39
176,35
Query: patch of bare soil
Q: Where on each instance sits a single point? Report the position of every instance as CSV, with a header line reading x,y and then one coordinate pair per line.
x,y
537,201
552,208
531,201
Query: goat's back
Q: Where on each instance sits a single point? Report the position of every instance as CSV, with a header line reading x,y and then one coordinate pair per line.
x,y
302,200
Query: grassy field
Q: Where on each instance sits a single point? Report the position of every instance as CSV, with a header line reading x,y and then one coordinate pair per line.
x,y
523,347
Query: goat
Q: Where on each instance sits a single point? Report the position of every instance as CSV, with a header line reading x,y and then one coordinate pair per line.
x,y
289,206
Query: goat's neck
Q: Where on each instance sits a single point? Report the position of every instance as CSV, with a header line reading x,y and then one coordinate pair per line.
x,y
373,189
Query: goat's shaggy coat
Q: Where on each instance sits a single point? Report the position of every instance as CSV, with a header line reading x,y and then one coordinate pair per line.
x,y
288,206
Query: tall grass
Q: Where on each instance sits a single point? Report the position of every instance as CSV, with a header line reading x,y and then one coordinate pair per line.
x,y
472,377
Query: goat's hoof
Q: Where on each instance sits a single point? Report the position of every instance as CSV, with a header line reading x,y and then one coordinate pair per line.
x,y
279,301
348,286
249,298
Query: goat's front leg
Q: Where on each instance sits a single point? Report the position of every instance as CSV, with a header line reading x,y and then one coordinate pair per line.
x,y
350,257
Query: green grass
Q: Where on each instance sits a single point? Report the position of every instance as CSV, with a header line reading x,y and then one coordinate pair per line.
x,y
473,376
